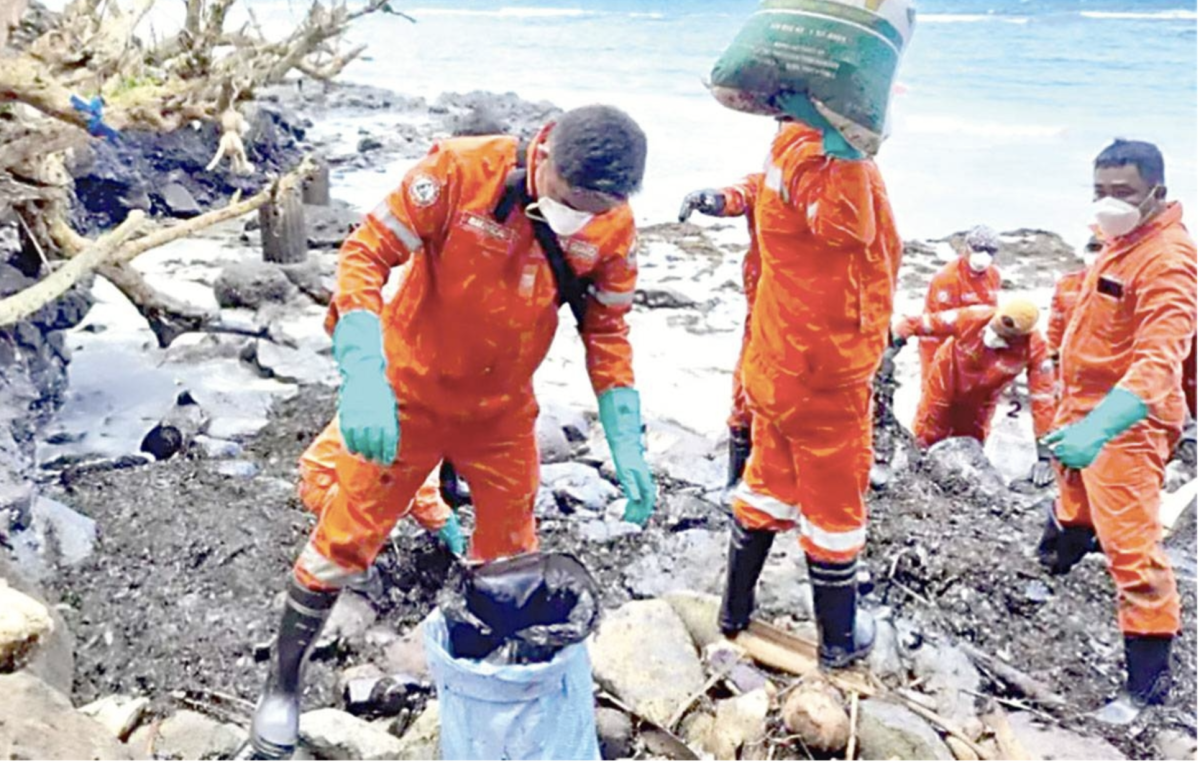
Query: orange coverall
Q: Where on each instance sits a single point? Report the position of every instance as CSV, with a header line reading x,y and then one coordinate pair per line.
x,y
966,378
471,321
739,201
1066,294
318,482
1132,327
955,286
830,256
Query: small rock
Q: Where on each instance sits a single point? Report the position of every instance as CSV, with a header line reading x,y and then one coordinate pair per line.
x,y
352,615
38,723
369,143
1054,743
698,612
162,442
252,284
25,624
739,720
238,469
951,678
191,736
1175,745
959,465
117,713
578,486
179,201
422,741
383,696
654,676
663,298
692,559
891,732
215,448
299,366
816,714
696,730
237,427
407,655
335,735
884,659
70,533
1038,592
553,446
616,733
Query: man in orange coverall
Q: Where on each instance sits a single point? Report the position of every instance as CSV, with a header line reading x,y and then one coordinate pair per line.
x,y
966,281
987,348
1066,294
735,201
830,256
1123,407
498,237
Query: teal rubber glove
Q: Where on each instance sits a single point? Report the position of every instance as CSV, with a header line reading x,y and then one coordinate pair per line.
x,y
452,535
1077,445
367,411
800,107
621,417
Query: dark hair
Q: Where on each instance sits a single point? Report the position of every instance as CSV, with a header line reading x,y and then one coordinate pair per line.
x,y
1145,156
600,148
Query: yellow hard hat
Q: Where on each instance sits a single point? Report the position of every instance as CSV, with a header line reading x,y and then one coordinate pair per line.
x,y
1016,317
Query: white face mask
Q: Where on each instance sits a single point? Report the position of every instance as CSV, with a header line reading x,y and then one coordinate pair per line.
x,y
1116,218
992,340
979,261
562,219
1089,257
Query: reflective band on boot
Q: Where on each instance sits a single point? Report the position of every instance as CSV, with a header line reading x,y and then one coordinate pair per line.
x,y
845,637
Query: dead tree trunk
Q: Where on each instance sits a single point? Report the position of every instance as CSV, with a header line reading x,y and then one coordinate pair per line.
x,y
316,188
284,237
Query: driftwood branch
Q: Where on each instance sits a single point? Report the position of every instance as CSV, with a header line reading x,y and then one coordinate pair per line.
x,y
118,248
1015,679
28,301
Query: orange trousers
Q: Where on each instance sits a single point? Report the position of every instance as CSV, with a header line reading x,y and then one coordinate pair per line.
x,y
1118,496
318,482
940,419
498,457
809,467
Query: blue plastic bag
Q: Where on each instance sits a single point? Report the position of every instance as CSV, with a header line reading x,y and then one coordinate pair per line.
x,y
539,711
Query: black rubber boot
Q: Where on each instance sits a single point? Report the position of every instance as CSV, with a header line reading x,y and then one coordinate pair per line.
x,y
845,637
739,453
1147,682
748,551
1047,547
276,725
1074,542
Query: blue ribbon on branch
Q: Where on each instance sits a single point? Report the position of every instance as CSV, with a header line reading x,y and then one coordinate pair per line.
x,y
94,111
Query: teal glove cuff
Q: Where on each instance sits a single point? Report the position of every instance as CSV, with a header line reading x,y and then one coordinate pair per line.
x,y
358,342
452,535
1118,411
621,416
800,107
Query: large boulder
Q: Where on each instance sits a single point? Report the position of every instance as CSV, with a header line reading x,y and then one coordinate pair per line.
x,y
892,732
25,624
252,284
1044,742
37,722
422,741
644,654
188,735
336,735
